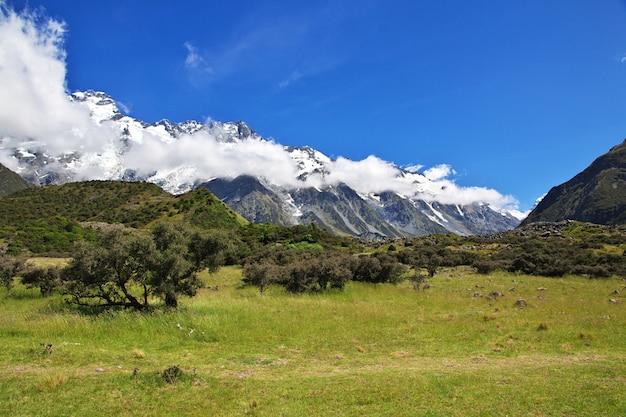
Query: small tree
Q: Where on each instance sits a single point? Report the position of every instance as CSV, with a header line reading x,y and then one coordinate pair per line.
x,y
46,279
110,271
125,269
173,265
262,274
10,267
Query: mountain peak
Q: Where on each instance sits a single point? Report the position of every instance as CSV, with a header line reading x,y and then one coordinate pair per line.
x,y
595,195
103,107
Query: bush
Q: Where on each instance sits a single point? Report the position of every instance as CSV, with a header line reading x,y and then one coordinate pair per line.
x,y
297,270
484,266
377,268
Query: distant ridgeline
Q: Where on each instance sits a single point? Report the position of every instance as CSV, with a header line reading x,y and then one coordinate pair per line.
x,y
596,195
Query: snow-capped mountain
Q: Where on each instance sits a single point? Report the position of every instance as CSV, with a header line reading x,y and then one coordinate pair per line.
x,y
262,180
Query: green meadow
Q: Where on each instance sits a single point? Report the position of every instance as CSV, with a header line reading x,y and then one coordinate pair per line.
x,y
454,349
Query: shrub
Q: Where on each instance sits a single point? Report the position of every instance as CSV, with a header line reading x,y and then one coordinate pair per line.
x,y
46,279
377,268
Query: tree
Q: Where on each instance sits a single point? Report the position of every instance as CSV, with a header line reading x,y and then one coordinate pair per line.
x,y
10,267
124,269
262,274
112,271
173,265
47,279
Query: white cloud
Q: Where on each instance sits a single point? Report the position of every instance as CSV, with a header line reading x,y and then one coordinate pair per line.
x,y
33,98
212,158
293,77
439,172
193,59
414,168
125,108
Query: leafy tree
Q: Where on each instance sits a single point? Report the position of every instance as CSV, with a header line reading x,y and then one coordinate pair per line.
x,y
125,269
46,279
262,273
172,266
111,270
314,274
10,267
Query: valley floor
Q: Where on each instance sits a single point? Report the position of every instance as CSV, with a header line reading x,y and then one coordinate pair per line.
x,y
455,349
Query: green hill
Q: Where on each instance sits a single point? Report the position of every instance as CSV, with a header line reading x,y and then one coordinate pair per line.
x,y
50,218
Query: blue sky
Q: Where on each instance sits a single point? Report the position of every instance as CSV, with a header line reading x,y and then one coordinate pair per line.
x,y
518,96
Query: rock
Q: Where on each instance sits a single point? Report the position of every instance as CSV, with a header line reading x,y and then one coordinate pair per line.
x,y
521,303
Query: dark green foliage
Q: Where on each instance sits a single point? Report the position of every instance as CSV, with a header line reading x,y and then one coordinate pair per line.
x,y
261,273
317,274
10,267
177,256
256,235
123,268
377,268
555,249
486,265
46,279
547,249
110,271
298,270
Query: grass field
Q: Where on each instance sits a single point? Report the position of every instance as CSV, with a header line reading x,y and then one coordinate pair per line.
x,y
372,350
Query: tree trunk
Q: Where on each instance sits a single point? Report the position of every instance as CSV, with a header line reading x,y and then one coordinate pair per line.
x,y
170,300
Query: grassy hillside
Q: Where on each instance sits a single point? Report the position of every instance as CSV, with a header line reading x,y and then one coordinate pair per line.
x,y
50,218
375,350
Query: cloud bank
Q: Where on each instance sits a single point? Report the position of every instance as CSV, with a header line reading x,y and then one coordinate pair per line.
x,y
37,114
33,102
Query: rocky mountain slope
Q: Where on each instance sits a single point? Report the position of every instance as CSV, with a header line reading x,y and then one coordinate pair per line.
x,y
11,182
596,195
276,184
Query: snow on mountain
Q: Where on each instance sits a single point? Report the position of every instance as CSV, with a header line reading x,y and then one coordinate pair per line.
x,y
284,184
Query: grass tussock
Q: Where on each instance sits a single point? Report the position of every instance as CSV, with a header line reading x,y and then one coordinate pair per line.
x,y
49,383
373,349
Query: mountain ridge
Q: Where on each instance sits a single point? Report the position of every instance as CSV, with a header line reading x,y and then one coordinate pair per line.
x,y
595,195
